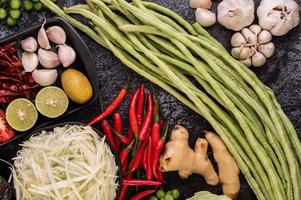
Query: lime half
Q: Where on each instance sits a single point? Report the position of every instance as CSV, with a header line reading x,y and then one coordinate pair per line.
x,y
52,101
21,114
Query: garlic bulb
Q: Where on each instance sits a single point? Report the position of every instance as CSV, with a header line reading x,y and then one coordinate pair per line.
x,y
56,34
205,17
66,55
200,4
48,59
29,61
42,38
278,16
235,14
29,44
45,77
252,46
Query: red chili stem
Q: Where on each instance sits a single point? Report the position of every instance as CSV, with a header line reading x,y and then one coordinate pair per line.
x,y
124,157
132,113
105,126
149,171
121,137
143,194
118,127
140,182
146,125
112,106
140,104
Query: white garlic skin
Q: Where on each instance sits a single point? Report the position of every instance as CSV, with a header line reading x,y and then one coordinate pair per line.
x,y
278,16
48,59
205,17
267,49
45,77
43,38
206,4
264,37
56,34
29,44
255,28
29,61
235,15
258,60
66,55
247,62
237,40
250,37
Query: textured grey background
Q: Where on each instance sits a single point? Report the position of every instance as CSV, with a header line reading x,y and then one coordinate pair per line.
x,y
282,72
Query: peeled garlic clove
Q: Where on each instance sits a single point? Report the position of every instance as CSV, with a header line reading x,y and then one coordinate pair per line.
x,y
245,53
236,52
258,59
266,49
56,34
29,44
250,37
42,38
238,40
48,59
200,4
66,55
45,77
247,62
29,61
264,37
256,29
205,17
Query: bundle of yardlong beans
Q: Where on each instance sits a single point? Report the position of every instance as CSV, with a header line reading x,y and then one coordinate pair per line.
x,y
161,46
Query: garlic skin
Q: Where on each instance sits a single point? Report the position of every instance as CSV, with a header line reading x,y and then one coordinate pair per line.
x,y
48,59
45,77
30,61
66,55
205,17
235,14
252,46
206,4
29,44
56,34
42,38
278,16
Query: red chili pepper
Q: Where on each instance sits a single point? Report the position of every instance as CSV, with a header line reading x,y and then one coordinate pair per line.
x,y
143,194
105,126
122,193
121,137
124,157
113,105
140,104
160,175
157,152
118,128
140,182
132,113
156,126
144,160
149,171
161,123
137,158
146,125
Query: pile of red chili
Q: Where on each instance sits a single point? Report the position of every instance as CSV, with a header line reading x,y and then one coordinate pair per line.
x,y
14,82
139,150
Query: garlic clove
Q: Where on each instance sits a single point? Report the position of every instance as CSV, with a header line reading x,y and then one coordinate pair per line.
x,y
206,4
264,37
236,52
29,44
66,55
247,62
238,40
45,77
250,37
267,49
29,61
48,59
205,17
256,29
56,34
42,38
245,53
258,59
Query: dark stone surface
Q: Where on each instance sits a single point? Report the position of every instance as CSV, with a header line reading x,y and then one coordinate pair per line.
x,y
282,72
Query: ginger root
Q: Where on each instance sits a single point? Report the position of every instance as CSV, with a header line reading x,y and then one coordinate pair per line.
x,y
228,170
178,156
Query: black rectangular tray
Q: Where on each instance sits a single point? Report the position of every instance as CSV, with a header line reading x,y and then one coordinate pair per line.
x,y
84,63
